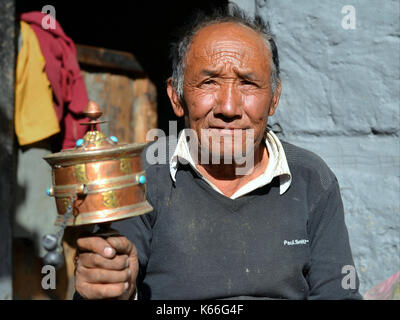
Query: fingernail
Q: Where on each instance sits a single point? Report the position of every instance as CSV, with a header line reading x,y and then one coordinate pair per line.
x,y
129,272
108,251
126,285
127,263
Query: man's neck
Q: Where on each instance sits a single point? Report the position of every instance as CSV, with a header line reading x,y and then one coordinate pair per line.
x,y
225,176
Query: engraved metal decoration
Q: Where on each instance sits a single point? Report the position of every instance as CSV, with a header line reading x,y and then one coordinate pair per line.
x,y
125,166
110,199
80,173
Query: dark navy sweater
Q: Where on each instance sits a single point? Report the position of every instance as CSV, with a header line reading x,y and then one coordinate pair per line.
x,y
200,244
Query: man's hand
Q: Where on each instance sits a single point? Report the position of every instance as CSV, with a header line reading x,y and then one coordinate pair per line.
x,y
106,268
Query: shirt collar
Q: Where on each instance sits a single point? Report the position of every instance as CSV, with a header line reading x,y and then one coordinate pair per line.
x,y
277,165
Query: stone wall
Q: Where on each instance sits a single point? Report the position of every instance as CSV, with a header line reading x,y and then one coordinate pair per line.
x,y
7,146
340,99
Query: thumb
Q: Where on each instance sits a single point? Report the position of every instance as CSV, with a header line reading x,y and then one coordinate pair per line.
x,y
122,245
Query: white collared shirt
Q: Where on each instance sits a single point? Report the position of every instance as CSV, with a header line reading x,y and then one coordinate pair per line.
x,y
277,165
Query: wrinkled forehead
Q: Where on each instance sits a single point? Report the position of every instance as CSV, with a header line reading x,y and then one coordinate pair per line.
x,y
228,43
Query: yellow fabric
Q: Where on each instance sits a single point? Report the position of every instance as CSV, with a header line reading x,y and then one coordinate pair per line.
x,y
35,118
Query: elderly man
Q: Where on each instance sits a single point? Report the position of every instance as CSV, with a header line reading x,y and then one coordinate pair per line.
x,y
274,230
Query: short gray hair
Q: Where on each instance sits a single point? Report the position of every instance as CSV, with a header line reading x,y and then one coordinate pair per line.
x,y
180,48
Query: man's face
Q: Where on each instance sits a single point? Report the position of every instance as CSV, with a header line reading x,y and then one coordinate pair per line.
x,y
227,87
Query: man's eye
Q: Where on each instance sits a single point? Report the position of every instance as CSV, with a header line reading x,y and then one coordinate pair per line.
x,y
248,83
209,82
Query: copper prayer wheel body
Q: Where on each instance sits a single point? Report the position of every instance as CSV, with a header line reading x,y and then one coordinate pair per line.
x,y
105,179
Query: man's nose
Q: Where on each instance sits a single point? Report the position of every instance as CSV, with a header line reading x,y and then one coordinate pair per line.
x,y
228,104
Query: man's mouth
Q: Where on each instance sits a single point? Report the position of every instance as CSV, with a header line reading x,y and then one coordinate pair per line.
x,y
225,130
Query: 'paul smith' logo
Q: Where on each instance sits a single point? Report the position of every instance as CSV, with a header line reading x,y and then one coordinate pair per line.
x,y
295,242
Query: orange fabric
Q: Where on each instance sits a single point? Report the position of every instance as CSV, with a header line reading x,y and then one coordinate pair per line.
x,y
35,118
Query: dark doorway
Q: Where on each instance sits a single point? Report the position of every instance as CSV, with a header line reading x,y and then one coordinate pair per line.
x,y
143,28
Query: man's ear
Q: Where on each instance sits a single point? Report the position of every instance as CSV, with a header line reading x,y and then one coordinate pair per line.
x,y
175,101
275,100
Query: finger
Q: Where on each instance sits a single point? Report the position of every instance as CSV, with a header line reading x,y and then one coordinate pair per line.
x,y
96,245
122,245
94,260
103,276
102,291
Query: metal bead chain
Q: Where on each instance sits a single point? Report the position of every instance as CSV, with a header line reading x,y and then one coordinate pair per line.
x,y
52,243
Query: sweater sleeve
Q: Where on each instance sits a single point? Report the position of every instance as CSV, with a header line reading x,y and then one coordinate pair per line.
x,y
331,273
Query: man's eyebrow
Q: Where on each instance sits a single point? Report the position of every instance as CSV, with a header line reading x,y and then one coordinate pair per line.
x,y
216,72
247,75
210,72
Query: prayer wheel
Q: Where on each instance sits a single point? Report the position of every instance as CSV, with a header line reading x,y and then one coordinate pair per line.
x,y
97,182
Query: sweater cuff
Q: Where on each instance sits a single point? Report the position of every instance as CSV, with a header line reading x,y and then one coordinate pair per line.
x,y
77,296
